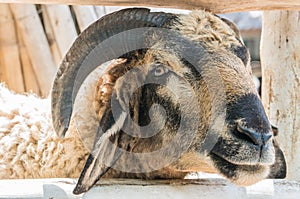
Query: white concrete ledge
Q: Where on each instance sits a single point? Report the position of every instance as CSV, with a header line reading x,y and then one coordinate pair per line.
x,y
127,188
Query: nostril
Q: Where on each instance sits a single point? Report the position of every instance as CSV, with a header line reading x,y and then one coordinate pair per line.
x,y
266,137
249,135
252,136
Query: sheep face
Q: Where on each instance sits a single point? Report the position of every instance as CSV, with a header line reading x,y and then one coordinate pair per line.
x,y
185,103
214,98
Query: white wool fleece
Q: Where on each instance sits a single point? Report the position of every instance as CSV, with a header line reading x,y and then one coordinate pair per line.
x,y
29,147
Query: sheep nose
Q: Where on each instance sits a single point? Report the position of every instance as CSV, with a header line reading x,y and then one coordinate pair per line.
x,y
252,136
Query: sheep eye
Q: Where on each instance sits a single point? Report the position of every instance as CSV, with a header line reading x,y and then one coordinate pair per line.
x,y
159,71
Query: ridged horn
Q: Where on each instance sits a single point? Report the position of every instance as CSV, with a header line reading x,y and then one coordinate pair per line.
x,y
108,38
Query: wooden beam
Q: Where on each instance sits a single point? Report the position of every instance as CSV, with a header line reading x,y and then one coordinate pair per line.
x,y
193,189
215,6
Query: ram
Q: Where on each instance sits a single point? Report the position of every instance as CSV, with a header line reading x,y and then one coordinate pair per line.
x,y
177,98
180,100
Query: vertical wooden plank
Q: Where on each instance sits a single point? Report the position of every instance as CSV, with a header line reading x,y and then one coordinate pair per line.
x,y
63,26
10,65
36,44
29,76
280,58
56,54
100,11
85,16
104,10
110,9
3,20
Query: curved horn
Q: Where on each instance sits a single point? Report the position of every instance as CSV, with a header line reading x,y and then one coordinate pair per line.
x,y
99,43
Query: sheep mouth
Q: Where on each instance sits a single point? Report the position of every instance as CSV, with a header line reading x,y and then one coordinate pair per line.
x,y
243,175
236,154
224,161
238,150
241,162
229,165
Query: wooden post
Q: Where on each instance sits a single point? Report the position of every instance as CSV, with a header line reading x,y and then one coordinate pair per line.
x,y
280,56
10,64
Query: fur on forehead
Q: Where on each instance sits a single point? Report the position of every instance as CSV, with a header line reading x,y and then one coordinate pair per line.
x,y
204,27
167,58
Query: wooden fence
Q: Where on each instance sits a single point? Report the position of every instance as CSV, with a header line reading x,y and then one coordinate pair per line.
x,y
34,38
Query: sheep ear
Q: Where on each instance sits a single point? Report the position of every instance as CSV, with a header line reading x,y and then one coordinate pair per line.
x,y
240,51
105,152
274,129
234,28
279,168
108,143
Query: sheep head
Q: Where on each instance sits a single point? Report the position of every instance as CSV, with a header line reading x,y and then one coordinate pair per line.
x,y
181,99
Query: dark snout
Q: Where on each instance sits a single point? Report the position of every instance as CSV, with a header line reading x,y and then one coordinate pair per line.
x,y
248,139
248,152
249,121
